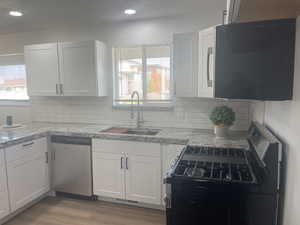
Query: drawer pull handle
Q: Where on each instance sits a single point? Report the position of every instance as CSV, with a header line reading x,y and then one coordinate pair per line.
x,y
47,157
122,162
126,163
31,143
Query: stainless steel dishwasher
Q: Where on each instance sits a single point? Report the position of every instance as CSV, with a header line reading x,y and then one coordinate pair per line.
x,y
72,165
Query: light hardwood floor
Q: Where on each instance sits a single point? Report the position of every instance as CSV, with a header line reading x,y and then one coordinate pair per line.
x,y
63,211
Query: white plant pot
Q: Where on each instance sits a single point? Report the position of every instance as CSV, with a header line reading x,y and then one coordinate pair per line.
x,y
221,132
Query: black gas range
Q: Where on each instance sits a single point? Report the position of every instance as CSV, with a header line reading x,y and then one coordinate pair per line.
x,y
227,186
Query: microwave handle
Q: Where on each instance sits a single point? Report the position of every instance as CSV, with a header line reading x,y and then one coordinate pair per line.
x,y
209,53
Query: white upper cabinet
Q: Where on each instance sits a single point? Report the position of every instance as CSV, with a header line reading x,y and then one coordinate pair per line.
x,y
82,68
42,69
194,63
207,48
185,64
66,69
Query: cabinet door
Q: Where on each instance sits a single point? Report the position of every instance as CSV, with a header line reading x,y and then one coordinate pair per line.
x,y
42,69
4,203
185,64
108,175
169,154
27,172
78,68
143,179
207,43
27,180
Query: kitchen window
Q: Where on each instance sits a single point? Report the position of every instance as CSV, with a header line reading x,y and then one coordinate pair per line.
x,y
145,69
12,78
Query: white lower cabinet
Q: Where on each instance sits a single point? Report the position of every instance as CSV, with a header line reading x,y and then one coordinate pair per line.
x,y
108,176
4,202
143,179
127,170
27,172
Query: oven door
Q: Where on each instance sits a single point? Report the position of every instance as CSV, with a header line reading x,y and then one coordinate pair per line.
x,y
205,204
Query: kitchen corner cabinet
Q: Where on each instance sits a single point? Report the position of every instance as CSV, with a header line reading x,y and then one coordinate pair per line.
x,y
127,170
4,202
66,69
27,172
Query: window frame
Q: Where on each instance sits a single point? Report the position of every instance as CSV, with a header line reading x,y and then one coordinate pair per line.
x,y
15,102
148,104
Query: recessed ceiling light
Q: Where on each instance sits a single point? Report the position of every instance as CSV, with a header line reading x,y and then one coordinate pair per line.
x,y
130,11
15,13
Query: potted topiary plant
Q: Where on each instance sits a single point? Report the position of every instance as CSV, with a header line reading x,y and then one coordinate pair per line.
x,y
222,117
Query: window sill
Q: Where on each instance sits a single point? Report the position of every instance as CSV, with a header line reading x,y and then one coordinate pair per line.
x,y
145,108
14,102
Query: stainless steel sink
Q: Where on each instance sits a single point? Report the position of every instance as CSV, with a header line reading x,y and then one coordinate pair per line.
x,y
135,131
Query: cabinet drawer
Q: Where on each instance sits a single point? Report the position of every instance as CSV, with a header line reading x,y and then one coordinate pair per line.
x,y
130,147
26,149
1,157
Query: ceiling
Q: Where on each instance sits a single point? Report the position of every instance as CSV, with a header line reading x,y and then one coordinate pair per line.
x,y
43,14
268,9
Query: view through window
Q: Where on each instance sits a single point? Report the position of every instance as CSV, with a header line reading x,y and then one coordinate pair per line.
x,y
145,70
12,78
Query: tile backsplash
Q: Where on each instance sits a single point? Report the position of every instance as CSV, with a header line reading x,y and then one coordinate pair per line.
x,y
187,112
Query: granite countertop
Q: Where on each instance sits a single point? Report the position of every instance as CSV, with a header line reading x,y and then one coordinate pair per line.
x,y
201,137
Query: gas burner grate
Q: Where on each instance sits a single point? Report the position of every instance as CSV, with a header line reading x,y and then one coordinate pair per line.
x,y
227,172
220,152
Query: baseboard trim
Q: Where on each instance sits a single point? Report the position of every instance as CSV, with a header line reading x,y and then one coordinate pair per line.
x,y
131,203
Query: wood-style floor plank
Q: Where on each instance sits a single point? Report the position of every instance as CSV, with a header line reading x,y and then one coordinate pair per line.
x,y
64,211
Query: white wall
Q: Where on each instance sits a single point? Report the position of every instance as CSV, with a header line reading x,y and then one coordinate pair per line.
x,y
186,113
284,119
154,31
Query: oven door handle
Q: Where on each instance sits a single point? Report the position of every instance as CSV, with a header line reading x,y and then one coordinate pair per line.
x,y
201,188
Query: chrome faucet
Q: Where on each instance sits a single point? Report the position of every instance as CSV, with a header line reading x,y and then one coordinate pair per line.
x,y
139,118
